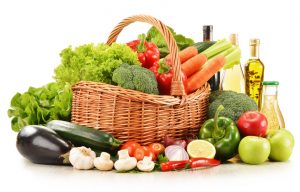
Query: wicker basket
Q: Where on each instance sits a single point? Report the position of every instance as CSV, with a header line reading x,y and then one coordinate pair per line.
x,y
133,115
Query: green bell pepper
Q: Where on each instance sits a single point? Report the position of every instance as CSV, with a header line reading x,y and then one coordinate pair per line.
x,y
223,133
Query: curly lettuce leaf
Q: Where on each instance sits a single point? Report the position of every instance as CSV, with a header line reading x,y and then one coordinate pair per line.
x,y
40,105
93,62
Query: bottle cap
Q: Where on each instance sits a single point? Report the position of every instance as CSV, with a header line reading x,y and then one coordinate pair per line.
x,y
207,27
254,42
233,38
270,83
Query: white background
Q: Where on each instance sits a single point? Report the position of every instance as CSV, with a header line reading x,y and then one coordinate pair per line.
x,y
32,34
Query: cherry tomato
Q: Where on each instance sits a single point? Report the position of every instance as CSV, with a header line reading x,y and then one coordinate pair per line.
x,y
149,152
131,146
157,148
139,153
152,155
143,151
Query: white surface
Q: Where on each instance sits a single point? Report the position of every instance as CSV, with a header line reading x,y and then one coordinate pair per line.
x,y
34,32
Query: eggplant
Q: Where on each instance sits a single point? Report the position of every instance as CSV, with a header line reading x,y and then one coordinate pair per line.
x,y
42,145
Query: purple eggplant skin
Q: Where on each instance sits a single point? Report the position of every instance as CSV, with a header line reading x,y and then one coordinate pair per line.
x,y
42,145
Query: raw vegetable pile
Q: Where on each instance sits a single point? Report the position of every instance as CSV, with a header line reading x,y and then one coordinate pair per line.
x,y
42,115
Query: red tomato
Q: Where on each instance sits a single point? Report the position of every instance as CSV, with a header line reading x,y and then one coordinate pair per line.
x,y
143,151
253,123
131,146
152,155
139,153
157,148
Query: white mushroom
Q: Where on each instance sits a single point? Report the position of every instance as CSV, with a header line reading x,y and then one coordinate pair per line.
x,y
125,162
146,164
82,158
103,163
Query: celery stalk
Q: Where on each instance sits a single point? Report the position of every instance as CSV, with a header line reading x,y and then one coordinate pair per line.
x,y
233,58
217,48
224,53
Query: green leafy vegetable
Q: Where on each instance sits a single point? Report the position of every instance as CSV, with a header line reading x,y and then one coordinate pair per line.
x,y
93,62
153,35
41,105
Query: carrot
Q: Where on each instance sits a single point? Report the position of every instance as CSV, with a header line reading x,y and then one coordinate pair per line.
x,y
207,71
194,64
186,54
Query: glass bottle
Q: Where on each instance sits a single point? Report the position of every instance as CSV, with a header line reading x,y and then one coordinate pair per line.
x,y
270,107
233,78
214,81
254,73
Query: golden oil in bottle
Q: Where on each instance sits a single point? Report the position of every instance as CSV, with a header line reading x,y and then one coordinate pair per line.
x,y
270,107
254,73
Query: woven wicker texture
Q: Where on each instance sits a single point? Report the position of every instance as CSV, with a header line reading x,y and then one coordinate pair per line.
x,y
133,115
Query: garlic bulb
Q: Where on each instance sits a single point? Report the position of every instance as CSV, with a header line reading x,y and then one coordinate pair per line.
x,y
82,158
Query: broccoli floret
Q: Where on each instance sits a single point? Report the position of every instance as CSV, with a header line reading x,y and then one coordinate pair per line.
x,y
235,104
223,94
135,77
122,75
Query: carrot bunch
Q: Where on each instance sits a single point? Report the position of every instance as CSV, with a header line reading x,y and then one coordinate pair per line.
x,y
200,67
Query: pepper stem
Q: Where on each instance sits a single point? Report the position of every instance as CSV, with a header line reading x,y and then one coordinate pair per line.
x,y
218,133
163,67
141,46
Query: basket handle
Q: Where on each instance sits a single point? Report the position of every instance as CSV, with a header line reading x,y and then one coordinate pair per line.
x,y
177,87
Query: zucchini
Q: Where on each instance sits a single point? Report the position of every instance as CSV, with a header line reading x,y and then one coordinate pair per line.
x,y
202,46
83,136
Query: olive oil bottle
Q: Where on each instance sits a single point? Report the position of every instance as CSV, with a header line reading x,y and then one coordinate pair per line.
x,y
254,73
233,78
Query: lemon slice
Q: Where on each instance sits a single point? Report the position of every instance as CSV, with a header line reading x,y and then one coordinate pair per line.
x,y
201,148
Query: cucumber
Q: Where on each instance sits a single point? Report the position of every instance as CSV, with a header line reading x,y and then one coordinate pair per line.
x,y
83,136
202,46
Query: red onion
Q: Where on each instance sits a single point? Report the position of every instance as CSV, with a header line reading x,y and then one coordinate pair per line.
x,y
168,141
176,153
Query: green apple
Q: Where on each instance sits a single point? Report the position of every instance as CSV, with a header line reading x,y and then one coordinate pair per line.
x,y
282,144
254,150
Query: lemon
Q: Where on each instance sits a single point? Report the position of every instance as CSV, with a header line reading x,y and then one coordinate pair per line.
x,y
201,148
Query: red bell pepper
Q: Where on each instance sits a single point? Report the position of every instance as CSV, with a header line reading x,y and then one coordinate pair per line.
x,y
147,52
164,74
191,163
